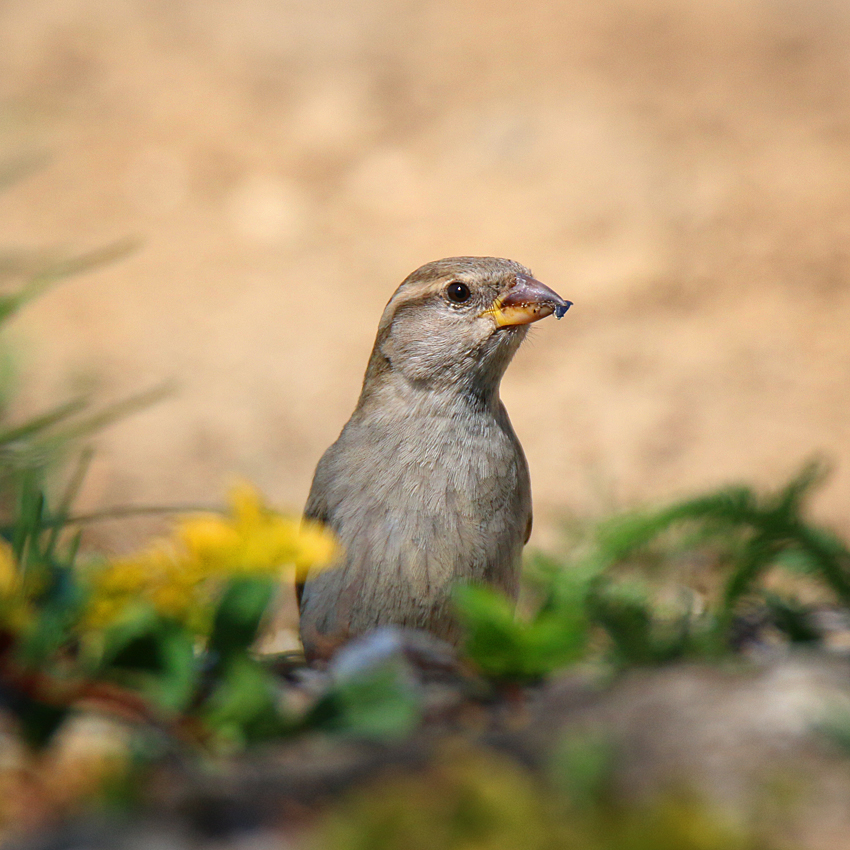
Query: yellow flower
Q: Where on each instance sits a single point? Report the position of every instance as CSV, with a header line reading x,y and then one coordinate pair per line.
x,y
8,569
319,548
180,576
246,505
15,604
207,536
255,539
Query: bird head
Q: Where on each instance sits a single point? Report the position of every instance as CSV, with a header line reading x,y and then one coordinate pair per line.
x,y
456,323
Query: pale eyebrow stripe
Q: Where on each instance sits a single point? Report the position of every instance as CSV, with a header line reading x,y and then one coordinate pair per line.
x,y
417,292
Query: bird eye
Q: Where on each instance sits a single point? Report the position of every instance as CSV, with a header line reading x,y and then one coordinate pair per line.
x,y
457,292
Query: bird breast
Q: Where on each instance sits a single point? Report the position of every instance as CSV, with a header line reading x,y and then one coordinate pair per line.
x,y
419,503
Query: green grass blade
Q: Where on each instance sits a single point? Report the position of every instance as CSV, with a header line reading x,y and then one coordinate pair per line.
x,y
57,271
43,422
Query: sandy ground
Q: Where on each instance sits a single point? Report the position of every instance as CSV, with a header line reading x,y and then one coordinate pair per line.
x,y
681,171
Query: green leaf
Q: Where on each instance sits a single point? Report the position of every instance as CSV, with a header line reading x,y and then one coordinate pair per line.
x,y
39,721
133,643
624,614
154,655
243,705
175,687
493,637
381,704
792,618
57,614
508,649
240,614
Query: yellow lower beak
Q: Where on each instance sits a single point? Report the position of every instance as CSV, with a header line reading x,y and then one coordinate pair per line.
x,y
528,300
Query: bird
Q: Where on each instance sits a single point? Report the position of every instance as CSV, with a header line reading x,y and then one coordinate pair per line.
x,y
427,485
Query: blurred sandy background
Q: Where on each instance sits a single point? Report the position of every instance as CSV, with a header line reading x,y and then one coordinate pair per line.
x,y
680,170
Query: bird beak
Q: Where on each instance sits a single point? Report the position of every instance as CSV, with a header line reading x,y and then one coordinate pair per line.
x,y
528,300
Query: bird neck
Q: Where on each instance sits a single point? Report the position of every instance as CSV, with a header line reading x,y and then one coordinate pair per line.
x,y
386,388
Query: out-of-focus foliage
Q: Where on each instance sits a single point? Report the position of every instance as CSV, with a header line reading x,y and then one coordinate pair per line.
x,y
623,589
167,634
382,702
471,798
164,636
507,647
176,624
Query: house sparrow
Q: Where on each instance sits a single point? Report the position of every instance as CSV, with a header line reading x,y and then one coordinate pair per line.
x,y
427,484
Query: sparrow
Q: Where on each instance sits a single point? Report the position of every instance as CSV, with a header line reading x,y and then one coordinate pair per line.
x,y
427,485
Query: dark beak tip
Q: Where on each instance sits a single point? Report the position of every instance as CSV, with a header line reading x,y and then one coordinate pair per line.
x,y
561,309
